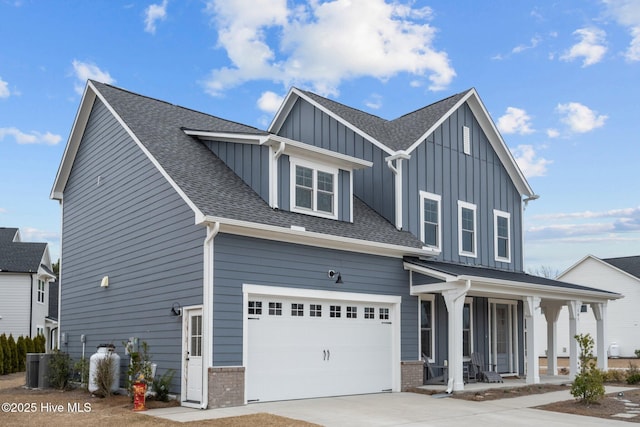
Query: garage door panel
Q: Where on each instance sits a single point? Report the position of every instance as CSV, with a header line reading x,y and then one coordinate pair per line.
x,y
292,355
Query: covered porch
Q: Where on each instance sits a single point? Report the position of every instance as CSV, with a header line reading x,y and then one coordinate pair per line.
x,y
505,330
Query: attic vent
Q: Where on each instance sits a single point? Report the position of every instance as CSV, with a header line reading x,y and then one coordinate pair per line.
x,y
466,139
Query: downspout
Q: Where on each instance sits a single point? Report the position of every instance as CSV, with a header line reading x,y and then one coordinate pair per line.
x,y
207,310
31,308
274,188
397,172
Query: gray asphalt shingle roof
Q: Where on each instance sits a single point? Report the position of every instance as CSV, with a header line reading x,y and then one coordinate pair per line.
x,y
492,273
19,257
214,188
629,264
397,134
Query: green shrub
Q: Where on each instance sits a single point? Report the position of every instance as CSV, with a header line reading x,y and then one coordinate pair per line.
x,y
1,360
588,385
81,371
614,376
22,354
638,353
13,348
8,355
59,370
28,343
40,344
633,374
139,369
162,384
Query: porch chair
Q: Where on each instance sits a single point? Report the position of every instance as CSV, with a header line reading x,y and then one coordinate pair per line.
x,y
483,372
429,375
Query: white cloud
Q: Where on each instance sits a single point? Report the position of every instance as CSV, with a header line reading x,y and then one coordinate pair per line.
x,y
153,13
374,101
613,213
87,71
580,118
4,89
515,120
320,44
269,102
627,13
591,46
553,133
522,47
32,137
30,234
3,210
529,162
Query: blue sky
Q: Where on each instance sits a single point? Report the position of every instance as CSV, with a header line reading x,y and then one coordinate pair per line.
x,y
560,79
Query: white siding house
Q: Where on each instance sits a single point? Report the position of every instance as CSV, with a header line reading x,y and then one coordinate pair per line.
x,y
620,275
25,273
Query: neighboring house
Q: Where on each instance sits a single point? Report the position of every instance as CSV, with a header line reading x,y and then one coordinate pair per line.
x,y
622,324
25,274
321,257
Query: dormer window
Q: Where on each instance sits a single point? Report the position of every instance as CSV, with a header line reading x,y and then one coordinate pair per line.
x,y
314,189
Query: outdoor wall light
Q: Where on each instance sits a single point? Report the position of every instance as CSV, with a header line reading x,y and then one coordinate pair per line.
x,y
336,274
176,309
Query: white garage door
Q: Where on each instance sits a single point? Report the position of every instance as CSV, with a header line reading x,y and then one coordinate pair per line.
x,y
302,347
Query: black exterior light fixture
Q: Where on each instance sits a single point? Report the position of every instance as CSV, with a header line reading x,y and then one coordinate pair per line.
x,y
176,309
335,274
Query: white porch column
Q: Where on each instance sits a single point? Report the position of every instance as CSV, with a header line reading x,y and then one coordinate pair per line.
x,y
454,300
551,314
600,312
574,321
533,364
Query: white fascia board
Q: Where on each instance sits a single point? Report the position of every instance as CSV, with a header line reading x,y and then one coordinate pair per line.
x,y
241,138
495,139
294,94
71,149
300,149
310,238
509,287
76,136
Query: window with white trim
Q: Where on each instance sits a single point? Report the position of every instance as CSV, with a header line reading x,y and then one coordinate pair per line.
x,y
427,342
314,189
502,235
467,328
467,229
430,228
41,291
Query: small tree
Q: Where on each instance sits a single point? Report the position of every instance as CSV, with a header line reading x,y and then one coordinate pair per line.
x,y
103,376
588,385
13,348
1,360
59,370
8,355
28,343
22,354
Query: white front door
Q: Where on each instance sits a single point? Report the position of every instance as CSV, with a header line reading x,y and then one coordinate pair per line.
x,y
193,355
302,347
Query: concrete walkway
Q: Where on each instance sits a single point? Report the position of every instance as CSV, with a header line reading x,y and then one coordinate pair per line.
x,y
406,409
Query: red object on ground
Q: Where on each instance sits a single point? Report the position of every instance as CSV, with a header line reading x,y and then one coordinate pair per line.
x,y
139,392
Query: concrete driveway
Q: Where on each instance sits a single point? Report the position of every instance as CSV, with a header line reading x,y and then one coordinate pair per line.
x,y
405,409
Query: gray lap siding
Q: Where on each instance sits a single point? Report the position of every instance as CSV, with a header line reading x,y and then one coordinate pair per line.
x,y
122,219
243,260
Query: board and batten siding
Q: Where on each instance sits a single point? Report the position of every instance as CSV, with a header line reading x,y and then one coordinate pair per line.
x,y
250,162
244,260
440,166
122,219
373,185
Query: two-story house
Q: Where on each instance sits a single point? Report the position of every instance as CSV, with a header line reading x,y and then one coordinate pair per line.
x,y
25,274
320,257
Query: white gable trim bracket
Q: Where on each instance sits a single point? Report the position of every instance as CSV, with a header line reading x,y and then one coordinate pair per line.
x,y
398,178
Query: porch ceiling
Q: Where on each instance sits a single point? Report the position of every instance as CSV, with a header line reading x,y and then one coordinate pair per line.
x,y
492,282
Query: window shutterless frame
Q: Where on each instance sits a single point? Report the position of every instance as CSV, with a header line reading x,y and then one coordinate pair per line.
x,y
314,189
502,235
431,220
467,229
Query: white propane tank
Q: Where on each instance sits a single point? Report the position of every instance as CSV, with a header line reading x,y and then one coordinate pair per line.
x,y
614,350
104,351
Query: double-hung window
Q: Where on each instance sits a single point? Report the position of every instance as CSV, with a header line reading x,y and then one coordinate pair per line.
x,y
427,341
467,229
314,189
430,228
41,292
502,235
